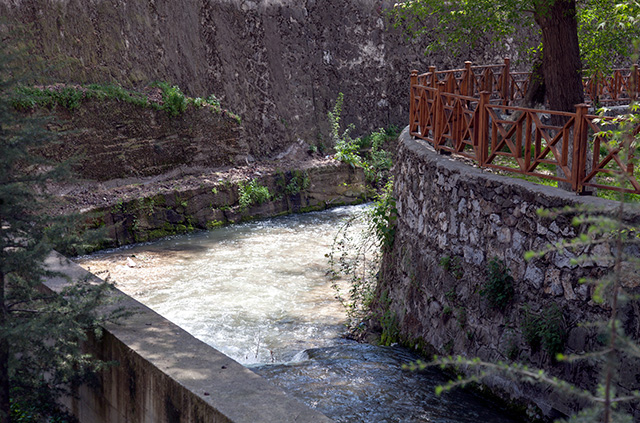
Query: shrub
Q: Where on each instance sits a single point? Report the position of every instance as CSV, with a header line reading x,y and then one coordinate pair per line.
x,y
498,287
546,329
452,265
173,100
383,216
252,193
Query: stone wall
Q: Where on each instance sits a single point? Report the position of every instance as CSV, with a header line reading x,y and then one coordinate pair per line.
x,y
452,219
279,64
165,375
172,208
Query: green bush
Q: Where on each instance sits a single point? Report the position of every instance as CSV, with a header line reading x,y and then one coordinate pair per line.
x,y
546,329
452,265
299,182
26,98
383,216
252,193
498,288
71,97
367,152
173,100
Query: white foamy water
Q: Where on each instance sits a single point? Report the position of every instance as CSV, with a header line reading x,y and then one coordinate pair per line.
x,y
257,291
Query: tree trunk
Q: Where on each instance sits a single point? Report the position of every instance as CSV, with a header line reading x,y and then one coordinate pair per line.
x,y
536,91
4,358
561,65
560,53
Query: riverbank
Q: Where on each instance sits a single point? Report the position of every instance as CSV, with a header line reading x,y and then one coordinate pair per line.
x,y
186,199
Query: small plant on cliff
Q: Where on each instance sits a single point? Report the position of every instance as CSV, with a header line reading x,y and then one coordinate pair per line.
x,y
378,161
345,146
388,322
299,182
383,216
367,152
25,98
498,288
71,96
252,193
353,265
173,100
452,265
546,329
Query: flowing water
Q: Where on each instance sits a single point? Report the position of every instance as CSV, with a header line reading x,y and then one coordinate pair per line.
x,y
259,293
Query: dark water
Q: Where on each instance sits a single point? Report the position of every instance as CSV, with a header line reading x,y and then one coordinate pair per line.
x,y
259,293
366,383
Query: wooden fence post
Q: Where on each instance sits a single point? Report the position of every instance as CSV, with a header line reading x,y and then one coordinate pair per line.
x,y
467,84
412,99
438,114
506,76
434,80
483,128
579,162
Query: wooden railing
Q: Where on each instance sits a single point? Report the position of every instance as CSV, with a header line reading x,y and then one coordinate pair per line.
x,y
622,86
468,113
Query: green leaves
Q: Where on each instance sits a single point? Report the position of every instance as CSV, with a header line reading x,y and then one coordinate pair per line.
x,y
173,101
40,331
461,25
383,217
606,29
252,193
498,288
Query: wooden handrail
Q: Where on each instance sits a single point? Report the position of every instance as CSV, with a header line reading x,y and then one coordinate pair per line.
x,y
469,113
621,86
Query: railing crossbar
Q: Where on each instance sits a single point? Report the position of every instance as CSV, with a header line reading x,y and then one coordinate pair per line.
x,y
456,111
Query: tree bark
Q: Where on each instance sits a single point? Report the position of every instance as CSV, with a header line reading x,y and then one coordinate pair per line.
x,y
560,53
561,65
536,91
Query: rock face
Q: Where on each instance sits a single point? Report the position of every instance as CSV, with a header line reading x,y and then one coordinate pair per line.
x,y
279,64
107,139
452,220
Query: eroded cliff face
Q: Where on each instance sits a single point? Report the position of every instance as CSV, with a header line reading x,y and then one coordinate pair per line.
x,y
279,64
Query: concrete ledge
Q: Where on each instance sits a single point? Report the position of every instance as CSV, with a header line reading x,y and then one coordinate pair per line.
x,y
167,375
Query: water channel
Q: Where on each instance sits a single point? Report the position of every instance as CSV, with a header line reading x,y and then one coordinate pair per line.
x,y
259,293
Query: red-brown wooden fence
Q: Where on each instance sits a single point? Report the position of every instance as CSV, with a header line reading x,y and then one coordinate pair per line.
x,y
468,112
622,86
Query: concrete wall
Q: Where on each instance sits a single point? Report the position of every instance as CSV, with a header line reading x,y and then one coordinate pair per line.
x,y
165,375
449,209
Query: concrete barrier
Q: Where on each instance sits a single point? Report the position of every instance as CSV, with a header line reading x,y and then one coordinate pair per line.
x,y
164,374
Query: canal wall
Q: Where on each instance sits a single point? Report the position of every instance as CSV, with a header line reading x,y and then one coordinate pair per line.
x,y
453,219
165,375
